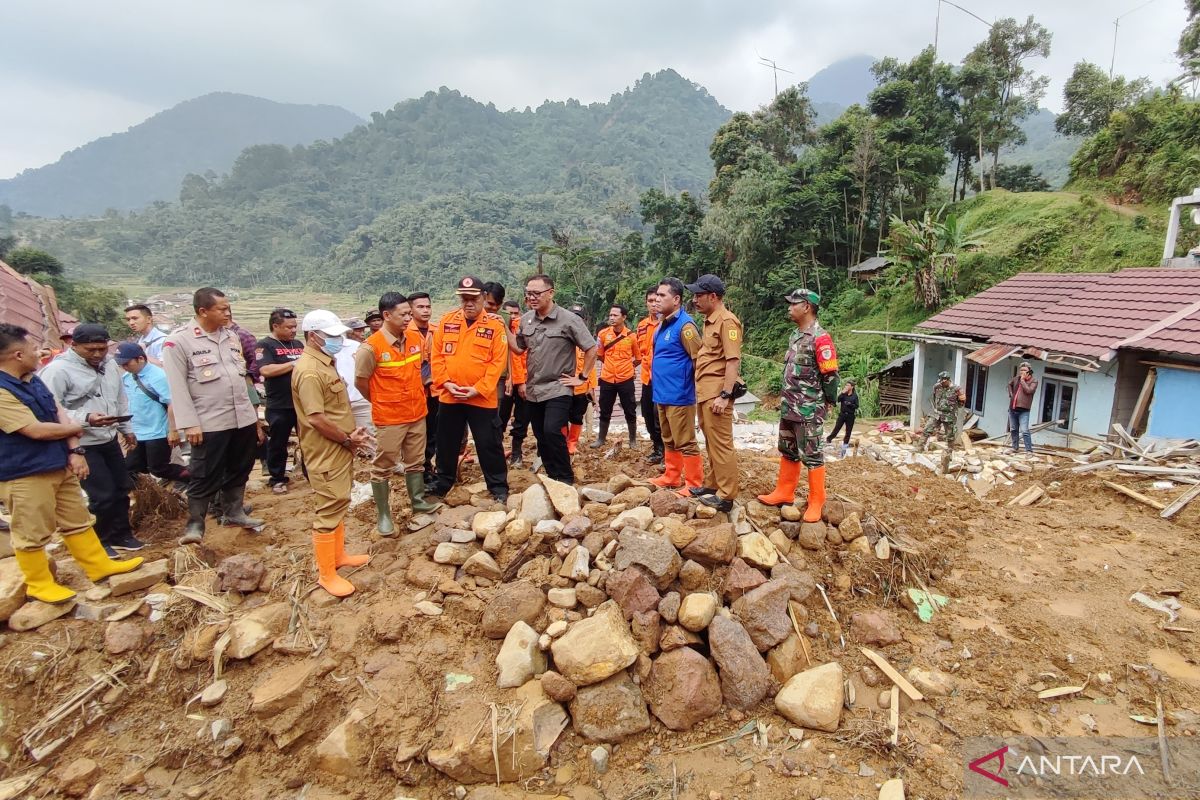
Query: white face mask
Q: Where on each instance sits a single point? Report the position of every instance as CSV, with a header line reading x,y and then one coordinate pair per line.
x,y
333,345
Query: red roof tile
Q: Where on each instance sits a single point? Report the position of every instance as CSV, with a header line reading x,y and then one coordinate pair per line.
x,y
1182,336
22,301
1009,302
1100,316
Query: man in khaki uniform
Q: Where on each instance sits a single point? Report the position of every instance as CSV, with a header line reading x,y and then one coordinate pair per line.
x,y
328,441
717,364
206,371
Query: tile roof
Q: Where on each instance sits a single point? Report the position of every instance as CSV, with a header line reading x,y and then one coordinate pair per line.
x,y
1181,336
1009,302
22,301
1099,317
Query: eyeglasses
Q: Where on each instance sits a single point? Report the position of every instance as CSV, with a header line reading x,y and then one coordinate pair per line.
x,y
534,295
284,313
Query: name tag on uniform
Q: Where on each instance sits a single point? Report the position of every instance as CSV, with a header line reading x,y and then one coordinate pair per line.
x,y
452,327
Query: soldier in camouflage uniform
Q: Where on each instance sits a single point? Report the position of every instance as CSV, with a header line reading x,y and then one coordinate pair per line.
x,y
810,386
947,400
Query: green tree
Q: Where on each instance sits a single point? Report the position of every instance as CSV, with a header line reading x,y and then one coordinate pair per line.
x,y
926,252
1003,89
1189,44
7,243
1020,178
30,260
1090,97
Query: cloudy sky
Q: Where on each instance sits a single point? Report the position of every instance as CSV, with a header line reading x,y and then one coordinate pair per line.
x,y
71,71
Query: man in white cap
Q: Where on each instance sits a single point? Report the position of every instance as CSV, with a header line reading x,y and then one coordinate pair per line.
x,y
328,442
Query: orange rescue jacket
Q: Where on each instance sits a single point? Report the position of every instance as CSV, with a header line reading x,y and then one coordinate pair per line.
x,y
397,394
645,339
618,351
469,355
519,369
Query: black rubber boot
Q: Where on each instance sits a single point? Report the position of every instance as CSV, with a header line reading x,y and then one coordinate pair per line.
x,y
601,437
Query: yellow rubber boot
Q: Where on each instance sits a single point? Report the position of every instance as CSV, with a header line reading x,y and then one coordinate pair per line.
x,y
86,549
670,477
39,582
785,484
344,559
816,494
325,550
693,474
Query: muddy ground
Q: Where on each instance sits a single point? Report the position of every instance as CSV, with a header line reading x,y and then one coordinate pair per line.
x,y
1039,599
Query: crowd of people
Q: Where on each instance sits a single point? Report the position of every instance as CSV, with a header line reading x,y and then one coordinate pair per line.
x,y
395,387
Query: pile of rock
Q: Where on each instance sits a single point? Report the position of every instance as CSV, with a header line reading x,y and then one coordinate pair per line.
x,y
616,603
984,467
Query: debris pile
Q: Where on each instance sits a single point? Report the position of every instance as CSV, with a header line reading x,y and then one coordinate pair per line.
x,y
1160,463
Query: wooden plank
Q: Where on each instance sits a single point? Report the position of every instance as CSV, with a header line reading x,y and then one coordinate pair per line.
x,y
1146,469
1095,466
1129,440
1143,402
967,444
891,672
894,708
1041,426
1141,498
1181,501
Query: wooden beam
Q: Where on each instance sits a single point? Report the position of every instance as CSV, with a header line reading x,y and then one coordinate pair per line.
x,y
1141,498
1095,465
1143,402
1189,367
891,672
1181,501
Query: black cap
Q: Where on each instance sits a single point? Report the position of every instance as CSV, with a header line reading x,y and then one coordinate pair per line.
x,y
469,285
370,315
128,351
707,283
90,333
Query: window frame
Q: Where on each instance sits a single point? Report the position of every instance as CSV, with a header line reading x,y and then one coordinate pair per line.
x,y
976,395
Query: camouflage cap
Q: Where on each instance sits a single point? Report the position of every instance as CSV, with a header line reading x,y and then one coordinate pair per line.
x,y
943,376
804,296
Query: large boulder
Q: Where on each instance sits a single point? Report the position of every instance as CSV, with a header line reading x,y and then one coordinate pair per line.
x,y
745,678
763,612
522,745
683,689
652,552
609,711
814,698
713,546
596,647
513,602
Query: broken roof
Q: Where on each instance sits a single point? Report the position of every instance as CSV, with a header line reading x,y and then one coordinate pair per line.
x,y
1009,302
1084,314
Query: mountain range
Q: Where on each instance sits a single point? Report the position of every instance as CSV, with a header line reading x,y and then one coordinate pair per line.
x,y
129,170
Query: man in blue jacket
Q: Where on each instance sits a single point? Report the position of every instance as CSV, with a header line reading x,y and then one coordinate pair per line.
x,y
153,424
41,464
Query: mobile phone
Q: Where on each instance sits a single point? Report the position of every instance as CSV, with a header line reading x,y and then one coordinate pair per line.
x,y
124,418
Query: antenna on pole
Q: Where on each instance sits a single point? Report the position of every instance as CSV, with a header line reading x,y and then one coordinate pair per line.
x,y
775,68
1116,27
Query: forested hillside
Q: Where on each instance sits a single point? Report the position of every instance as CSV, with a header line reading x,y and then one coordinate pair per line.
x,y
133,169
280,213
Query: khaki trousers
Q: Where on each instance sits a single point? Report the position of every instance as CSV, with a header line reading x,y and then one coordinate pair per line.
x,y
398,444
331,488
722,469
40,504
678,425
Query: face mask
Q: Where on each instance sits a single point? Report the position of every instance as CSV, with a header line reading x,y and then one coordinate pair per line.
x,y
333,345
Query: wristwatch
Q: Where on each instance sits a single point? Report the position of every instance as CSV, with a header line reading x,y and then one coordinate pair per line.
x,y
726,395
346,442
582,376
78,451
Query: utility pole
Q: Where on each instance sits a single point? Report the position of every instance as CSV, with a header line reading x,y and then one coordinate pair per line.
x,y
775,68
1116,27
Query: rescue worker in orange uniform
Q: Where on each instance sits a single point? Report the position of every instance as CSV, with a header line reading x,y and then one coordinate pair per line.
x,y
580,399
512,402
645,339
620,353
470,349
387,371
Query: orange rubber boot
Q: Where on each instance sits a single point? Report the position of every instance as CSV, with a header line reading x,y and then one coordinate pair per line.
x,y
573,433
670,477
693,474
785,484
325,550
816,494
344,559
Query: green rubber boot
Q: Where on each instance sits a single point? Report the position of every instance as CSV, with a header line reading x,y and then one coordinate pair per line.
x,y
415,482
383,509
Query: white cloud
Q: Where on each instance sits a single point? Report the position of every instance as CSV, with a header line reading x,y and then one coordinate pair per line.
x,y
79,70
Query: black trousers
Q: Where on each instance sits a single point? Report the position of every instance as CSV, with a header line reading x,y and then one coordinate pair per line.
x,y
153,456
280,424
514,406
843,419
575,409
549,420
222,461
108,485
432,404
650,416
609,392
453,421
